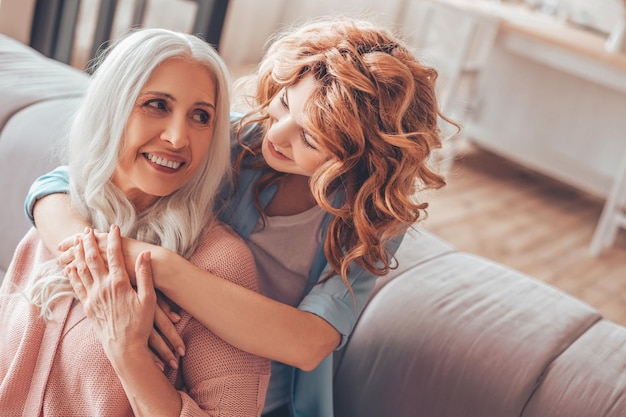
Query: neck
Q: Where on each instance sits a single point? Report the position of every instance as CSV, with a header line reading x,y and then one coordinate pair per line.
x,y
292,197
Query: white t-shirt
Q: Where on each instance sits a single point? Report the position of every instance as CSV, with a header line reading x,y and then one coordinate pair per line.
x,y
284,251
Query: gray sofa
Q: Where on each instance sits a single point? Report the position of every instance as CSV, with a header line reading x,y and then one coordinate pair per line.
x,y
448,334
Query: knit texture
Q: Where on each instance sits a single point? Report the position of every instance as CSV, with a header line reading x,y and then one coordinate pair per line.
x,y
59,368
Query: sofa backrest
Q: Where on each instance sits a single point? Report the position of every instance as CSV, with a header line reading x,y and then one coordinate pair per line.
x,y
37,99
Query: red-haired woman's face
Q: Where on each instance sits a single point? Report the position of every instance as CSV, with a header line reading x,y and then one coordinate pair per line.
x,y
287,146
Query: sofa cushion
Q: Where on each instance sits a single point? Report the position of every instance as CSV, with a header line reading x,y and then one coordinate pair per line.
x,y
28,77
454,337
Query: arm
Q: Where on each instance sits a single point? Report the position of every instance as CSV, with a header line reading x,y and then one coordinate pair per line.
x,y
217,377
298,337
122,320
56,220
48,206
244,318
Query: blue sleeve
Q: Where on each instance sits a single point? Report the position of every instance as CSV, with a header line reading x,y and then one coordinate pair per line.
x,y
332,300
56,181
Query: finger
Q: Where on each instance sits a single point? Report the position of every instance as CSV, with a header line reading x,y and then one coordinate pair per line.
x,y
66,243
115,256
67,257
166,305
158,362
143,272
161,349
80,265
93,258
77,284
168,331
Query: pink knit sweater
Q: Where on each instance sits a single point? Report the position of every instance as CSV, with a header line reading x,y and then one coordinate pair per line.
x,y
58,368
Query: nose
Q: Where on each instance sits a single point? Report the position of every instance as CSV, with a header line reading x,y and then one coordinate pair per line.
x,y
280,127
279,132
176,131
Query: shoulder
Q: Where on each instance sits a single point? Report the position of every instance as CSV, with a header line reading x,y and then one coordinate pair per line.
x,y
225,254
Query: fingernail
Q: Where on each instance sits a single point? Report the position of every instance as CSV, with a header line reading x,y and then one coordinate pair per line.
x,y
181,351
87,230
175,317
161,367
173,364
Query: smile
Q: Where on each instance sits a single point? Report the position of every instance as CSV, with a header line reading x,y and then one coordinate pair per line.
x,y
162,161
277,153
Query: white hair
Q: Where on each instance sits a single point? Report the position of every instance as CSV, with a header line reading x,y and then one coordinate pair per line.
x,y
175,221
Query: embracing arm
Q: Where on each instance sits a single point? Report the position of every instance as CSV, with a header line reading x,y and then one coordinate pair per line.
x,y
56,220
242,317
48,207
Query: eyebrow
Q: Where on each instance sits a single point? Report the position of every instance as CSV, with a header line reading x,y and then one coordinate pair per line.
x,y
172,98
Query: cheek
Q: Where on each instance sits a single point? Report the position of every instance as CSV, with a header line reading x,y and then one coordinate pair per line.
x,y
310,162
200,147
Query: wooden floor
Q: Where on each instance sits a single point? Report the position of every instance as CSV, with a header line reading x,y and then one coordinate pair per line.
x,y
499,210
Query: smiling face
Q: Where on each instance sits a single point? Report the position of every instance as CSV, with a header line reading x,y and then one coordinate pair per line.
x,y
168,132
287,146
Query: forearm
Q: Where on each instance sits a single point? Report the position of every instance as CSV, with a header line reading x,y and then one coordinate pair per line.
x,y
148,390
244,318
56,220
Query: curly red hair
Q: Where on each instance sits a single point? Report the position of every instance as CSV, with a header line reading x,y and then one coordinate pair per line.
x,y
374,110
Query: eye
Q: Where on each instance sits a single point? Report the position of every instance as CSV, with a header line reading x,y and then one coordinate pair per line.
x,y
157,104
202,117
283,99
307,141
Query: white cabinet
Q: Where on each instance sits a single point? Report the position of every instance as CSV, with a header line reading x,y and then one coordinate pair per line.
x,y
553,99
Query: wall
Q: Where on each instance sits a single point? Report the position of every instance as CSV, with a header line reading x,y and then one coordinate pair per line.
x,y
250,23
16,18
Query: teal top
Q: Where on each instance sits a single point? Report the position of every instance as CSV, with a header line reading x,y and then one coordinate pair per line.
x,y
312,392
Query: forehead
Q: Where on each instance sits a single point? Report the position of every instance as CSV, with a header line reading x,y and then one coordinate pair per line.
x,y
299,94
183,76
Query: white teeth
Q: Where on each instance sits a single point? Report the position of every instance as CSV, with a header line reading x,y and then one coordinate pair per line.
x,y
276,149
162,161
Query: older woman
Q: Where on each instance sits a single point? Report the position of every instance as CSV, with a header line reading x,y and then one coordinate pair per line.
x,y
148,150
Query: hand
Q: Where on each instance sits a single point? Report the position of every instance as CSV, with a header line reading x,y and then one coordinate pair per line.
x,y
121,316
166,338
68,246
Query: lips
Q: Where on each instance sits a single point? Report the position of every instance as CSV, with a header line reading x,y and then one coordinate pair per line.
x,y
166,163
278,154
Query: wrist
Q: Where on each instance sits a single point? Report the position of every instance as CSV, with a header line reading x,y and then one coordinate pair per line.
x,y
162,266
125,357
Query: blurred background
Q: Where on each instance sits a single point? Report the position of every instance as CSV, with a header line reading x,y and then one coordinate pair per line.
x,y
537,177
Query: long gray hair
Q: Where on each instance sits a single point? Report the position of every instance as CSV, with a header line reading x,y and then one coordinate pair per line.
x,y
175,221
